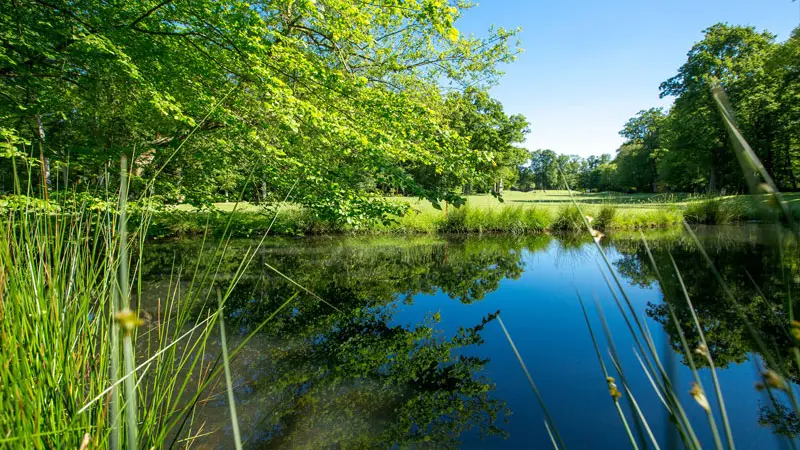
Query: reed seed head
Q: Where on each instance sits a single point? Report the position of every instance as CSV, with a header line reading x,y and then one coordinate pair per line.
x,y
795,330
700,397
772,380
702,350
128,320
612,389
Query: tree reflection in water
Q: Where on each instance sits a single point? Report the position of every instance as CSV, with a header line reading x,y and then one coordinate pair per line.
x,y
353,378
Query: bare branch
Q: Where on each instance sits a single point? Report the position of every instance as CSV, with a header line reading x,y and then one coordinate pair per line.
x,y
149,12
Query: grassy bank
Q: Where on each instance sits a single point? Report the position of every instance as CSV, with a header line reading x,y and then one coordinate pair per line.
x,y
505,218
520,212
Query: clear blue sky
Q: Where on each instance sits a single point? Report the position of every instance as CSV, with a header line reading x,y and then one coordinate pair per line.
x,y
589,65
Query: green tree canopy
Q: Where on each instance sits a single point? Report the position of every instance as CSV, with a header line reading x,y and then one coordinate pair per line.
x,y
699,148
210,94
544,167
492,136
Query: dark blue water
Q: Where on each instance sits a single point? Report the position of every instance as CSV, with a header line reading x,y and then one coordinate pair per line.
x,y
543,314
381,368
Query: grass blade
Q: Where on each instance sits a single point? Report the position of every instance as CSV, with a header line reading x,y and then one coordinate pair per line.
x,y
547,416
237,439
707,353
607,377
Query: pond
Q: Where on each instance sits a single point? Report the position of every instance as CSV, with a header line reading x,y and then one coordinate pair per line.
x,y
391,342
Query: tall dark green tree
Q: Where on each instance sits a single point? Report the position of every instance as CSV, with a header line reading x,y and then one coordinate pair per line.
x,y
637,159
594,175
545,169
493,137
784,152
700,152
569,169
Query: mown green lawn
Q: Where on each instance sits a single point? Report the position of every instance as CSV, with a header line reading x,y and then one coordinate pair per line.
x,y
619,200
520,212
556,199
559,198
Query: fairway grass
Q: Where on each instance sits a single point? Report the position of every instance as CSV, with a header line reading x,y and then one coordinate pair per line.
x,y
518,212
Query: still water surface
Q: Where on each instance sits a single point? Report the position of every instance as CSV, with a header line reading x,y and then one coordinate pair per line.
x,y
404,357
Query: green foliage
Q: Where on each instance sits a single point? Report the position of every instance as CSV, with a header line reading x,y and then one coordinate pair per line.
x,y
24,204
290,221
569,218
569,169
220,98
506,219
491,135
713,210
544,167
637,160
699,154
606,218
597,173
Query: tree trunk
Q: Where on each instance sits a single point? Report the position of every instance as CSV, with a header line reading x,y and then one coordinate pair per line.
x,y
712,182
655,174
45,161
64,175
789,169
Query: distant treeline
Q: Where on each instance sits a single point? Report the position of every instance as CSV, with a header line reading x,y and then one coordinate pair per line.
x,y
687,148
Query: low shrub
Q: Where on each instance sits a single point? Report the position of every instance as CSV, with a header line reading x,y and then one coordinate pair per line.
x,y
568,218
455,221
605,218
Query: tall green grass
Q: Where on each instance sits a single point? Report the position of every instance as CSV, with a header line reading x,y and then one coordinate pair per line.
x,y
55,296
509,219
503,218
81,367
714,210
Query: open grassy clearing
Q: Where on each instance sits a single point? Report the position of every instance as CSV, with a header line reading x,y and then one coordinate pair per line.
x,y
619,200
559,198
